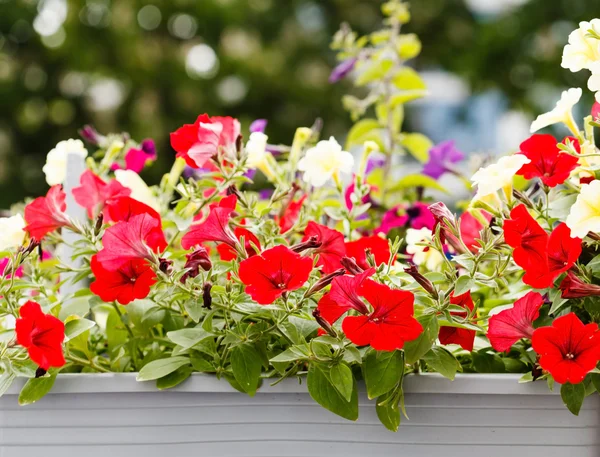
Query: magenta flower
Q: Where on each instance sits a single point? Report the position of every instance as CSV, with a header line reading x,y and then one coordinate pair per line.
x,y
259,125
416,216
342,70
441,159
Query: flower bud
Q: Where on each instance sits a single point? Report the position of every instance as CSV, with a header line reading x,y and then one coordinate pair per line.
x,y
323,323
351,266
206,297
98,225
165,265
573,287
196,260
422,281
324,282
310,243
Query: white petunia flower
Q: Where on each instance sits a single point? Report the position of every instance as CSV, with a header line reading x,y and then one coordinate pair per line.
x,y
139,189
583,50
422,255
497,175
11,232
325,161
594,81
256,147
584,216
561,113
56,160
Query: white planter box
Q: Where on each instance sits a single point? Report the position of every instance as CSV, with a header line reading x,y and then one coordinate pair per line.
x,y
113,415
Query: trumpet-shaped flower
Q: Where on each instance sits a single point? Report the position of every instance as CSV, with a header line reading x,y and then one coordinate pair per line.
x,y
12,232
376,245
584,216
139,189
94,193
562,112
130,281
325,161
55,168
583,50
332,247
498,175
422,255
214,228
568,349
46,214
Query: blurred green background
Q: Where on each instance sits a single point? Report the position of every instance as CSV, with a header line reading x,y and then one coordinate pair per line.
x,y
149,66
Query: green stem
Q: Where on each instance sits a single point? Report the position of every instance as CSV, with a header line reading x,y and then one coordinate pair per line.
x,y
86,363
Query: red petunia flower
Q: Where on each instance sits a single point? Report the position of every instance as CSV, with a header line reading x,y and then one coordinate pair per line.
x,y
129,282
573,287
130,240
548,163
456,335
290,214
542,257
389,325
332,247
344,296
94,193
199,141
275,271
46,214
510,325
568,349
214,228
42,335
378,246
227,253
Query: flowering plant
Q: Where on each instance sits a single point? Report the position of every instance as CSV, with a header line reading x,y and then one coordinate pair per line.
x,y
202,274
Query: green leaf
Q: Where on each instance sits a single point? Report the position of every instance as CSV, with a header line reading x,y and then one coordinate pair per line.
x,y
484,362
418,146
365,130
388,412
161,367
463,285
116,334
382,371
324,393
572,396
594,264
412,181
383,116
76,327
202,365
36,388
408,46
376,70
188,337
174,378
440,360
416,349
195,309
76,306
407,79
292,354
596,380
246,365
342,380
6,380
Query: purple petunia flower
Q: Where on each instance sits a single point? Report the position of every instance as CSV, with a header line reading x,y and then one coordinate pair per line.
x,y
375,160
342,70
441,159
259,125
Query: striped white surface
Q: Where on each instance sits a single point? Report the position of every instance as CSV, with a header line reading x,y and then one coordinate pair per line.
x,y
113,415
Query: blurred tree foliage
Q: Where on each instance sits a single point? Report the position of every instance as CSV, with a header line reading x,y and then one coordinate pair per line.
x,y
149,66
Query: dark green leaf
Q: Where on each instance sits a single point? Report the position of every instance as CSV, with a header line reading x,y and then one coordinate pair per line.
x,y
161,367
324,393
487,363
418,348
572,396
382,371
342,380
174,378
440,360
36,388
388,412
246,365
292,354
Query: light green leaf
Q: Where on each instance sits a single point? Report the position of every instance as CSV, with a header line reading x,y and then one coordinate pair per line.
x,y
463,285
412,181
408,46
161,367
36,388
418,145
382,371
407,79
291,354
374,71
76,327
324,393
365,130
188,337
6,380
